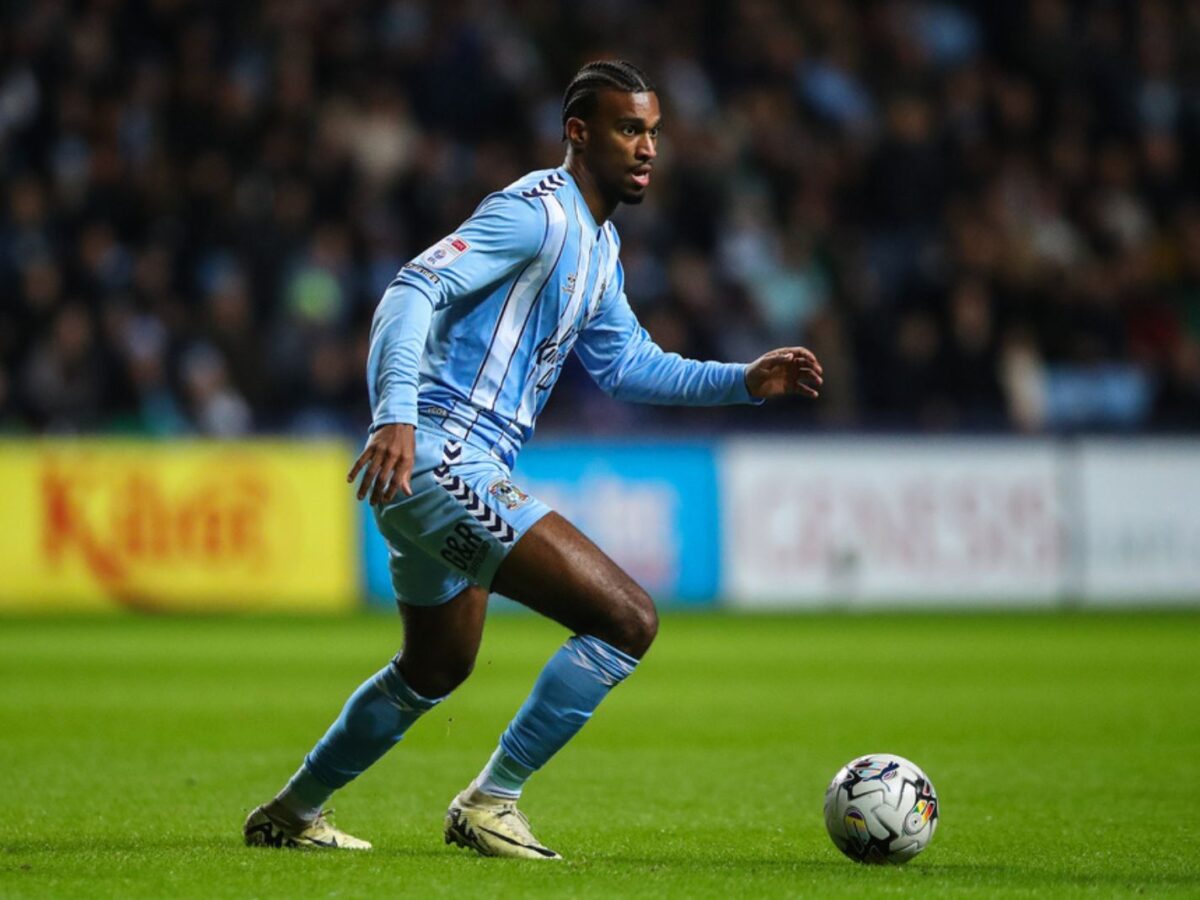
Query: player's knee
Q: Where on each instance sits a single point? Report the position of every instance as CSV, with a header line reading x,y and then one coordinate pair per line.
x,y
647,626
444,680
439,678
453,671
634,629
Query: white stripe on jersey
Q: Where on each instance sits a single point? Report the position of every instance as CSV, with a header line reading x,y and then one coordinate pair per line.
x,y
583,262
592,298
609,274
514,315
585,300
582,270
605,266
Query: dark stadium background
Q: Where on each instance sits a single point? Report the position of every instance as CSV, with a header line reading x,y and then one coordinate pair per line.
x,y
982,216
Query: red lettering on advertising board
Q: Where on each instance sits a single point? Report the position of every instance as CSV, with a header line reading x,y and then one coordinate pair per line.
x,y
216,522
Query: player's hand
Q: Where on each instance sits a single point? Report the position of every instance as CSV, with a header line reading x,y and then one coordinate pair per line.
x,y
388,459
782,372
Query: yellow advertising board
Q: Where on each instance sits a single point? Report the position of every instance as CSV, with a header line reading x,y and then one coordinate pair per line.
x,y
192,526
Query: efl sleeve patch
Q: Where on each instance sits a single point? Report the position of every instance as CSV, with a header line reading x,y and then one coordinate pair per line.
x,y
445,252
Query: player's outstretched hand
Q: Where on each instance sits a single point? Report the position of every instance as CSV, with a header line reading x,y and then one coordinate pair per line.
x,y
388,459
779,373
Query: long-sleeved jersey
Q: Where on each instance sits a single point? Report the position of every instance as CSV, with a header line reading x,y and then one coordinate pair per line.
x,y
474,331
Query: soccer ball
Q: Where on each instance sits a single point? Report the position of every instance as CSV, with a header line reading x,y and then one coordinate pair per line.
x,y
881,809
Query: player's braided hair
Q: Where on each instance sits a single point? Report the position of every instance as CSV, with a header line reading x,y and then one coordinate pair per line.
x,y
615,74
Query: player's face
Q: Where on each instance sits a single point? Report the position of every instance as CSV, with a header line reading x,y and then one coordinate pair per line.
x,y
622,143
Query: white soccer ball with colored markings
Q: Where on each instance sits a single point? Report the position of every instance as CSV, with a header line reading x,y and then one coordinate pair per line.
x,y
881,808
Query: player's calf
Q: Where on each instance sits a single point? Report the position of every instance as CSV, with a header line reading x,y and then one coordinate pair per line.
x,y
568,690
375,718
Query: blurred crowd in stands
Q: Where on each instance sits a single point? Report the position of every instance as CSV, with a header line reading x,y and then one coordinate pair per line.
x,y
982,216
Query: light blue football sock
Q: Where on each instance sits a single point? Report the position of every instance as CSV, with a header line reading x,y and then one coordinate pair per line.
x,y
372,721
566,693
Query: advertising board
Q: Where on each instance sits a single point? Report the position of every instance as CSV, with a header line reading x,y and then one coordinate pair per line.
x,y
1140,521
181,526
910,522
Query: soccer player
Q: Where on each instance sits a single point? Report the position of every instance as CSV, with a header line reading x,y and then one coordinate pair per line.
x,y
465,346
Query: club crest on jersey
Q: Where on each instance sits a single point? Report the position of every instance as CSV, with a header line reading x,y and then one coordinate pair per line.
x,y
508,493
445,251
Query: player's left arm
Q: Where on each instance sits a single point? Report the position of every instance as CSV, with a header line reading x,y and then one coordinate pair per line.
x,y
623,359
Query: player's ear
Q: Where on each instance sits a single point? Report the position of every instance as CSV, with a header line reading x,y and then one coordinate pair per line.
x,y
576,130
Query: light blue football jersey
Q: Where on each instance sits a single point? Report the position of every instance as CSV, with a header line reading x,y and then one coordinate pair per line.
x,y
474,331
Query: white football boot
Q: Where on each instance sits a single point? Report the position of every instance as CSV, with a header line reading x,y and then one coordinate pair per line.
x,y
263,830
492,826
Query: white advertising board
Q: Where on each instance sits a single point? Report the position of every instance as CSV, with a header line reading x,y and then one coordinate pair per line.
x,y
1140,504
891,522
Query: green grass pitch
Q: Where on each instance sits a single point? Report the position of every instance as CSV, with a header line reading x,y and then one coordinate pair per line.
x,y
1064,749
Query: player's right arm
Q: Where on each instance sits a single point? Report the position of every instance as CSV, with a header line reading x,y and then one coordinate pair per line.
x,y
504,234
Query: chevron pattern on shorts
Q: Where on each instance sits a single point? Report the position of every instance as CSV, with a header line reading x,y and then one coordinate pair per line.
x,y
471,502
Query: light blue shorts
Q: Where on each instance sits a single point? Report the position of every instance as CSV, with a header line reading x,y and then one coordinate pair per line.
x,y
462,520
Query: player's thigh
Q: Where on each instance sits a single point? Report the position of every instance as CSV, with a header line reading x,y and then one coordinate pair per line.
x,y
557,571
442,641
